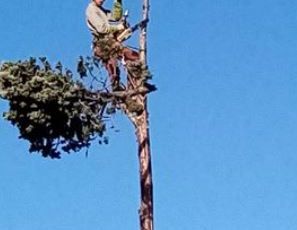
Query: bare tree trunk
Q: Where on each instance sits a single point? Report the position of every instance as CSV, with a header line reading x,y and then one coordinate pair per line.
x,y
146,184
143,34
144,153
141,125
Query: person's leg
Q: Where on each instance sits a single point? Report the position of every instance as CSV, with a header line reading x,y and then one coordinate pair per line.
x,y
110,65
130,55
113,72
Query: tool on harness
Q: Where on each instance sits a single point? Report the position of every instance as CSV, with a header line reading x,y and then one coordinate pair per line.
x,y
117,10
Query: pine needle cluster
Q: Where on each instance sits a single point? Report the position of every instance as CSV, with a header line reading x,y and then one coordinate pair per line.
x,y
52,111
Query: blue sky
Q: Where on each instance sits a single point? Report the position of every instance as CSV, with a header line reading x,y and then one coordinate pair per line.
x,y
223,122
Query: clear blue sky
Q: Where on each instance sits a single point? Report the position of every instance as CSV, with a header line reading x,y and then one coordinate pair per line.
x,y
223,122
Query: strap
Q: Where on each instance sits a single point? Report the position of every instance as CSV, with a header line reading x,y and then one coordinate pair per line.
x,y
93,27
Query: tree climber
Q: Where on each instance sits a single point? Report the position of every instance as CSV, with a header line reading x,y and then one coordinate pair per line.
x,y
105,25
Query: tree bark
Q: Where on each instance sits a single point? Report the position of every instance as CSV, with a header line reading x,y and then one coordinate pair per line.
x,y
141,124
146,182
142,132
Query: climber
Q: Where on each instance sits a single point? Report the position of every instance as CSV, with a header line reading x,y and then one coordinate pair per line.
x,y
105,25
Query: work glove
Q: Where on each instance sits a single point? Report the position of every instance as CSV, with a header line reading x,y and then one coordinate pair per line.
x,y
120,26
117,10
116,28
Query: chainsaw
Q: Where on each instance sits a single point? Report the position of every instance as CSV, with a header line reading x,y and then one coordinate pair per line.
x,y
129,31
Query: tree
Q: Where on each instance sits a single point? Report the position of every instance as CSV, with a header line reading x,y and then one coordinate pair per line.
x,y
144,154
57,114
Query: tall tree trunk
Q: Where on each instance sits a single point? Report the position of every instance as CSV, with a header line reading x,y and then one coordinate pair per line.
x,y
141,125
146,183
142,133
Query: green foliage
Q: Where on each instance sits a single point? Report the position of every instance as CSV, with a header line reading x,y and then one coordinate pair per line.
x,y
57,114
139,71
52,111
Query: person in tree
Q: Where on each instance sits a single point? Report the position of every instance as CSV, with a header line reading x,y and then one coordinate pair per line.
x,y
105,25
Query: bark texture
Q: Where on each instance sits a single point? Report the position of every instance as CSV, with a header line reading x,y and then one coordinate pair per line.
x,y
142,132
146,184
141,124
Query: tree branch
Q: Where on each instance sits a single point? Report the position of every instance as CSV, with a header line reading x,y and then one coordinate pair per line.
x,y
127,93
110,96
